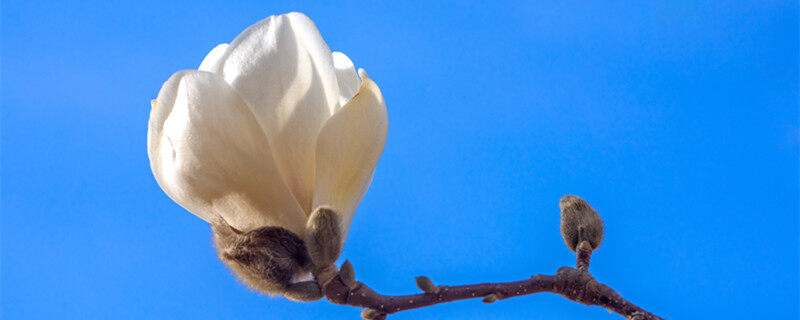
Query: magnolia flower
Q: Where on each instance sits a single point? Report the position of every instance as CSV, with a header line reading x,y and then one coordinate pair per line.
x,y
269,128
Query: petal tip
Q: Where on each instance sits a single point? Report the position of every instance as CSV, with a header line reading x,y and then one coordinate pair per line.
x,y
363,74
296,15
213,57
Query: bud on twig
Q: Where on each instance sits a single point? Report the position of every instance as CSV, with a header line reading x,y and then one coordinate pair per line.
x,y
579,222
372,314
489,298
347,274
426,285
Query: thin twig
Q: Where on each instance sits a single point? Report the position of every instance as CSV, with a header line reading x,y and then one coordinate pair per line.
x,y
575,284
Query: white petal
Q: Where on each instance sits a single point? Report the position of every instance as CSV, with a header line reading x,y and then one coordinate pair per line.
x,y
213,57
346,76
348,148
284,70
209,154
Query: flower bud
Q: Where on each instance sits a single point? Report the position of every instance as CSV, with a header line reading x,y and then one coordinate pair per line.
x,y
579,222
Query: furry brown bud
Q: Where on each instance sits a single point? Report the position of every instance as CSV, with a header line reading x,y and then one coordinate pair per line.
x,y
267,260
323,237
579,222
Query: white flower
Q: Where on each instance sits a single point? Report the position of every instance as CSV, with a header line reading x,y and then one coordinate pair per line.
x,y
271,126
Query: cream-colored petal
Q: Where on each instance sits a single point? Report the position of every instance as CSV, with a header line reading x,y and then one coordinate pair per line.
x,y
284,70
348,148
210,155
346,75
213,57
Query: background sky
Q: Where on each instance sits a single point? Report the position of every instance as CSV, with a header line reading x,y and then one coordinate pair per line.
x,y
676,120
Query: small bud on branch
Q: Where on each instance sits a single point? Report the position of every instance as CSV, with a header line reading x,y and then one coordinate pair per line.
x,y
426,285
489,298
579,222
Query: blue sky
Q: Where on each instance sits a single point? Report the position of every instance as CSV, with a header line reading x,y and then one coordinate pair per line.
x,y
676,120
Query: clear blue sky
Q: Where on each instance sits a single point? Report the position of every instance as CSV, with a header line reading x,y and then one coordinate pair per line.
x,y
677,120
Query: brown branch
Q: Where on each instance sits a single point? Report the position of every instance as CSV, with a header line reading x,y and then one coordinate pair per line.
x,y
582,230
575,284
